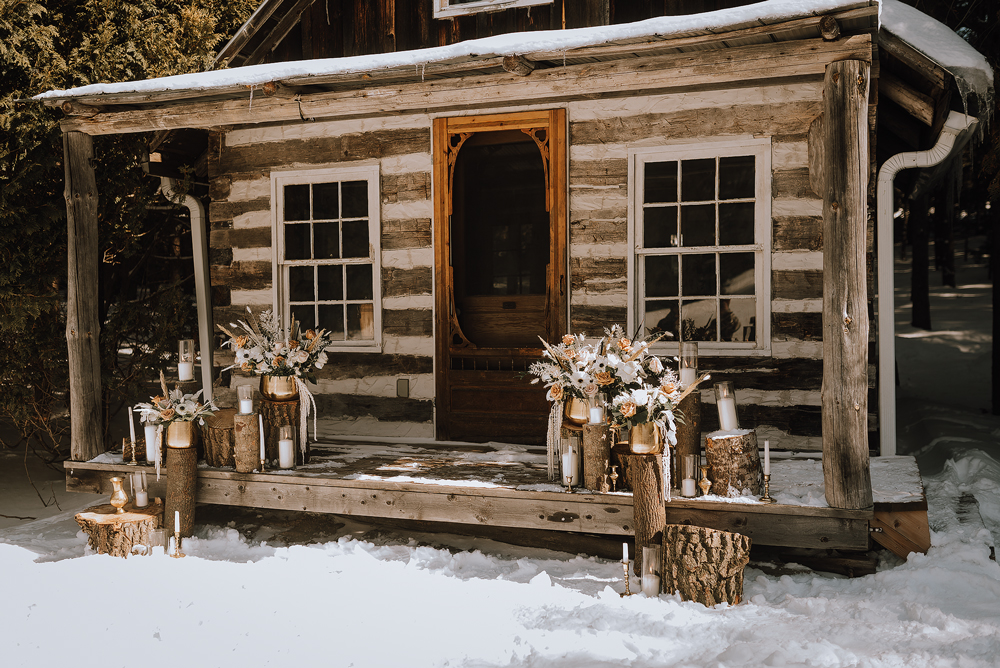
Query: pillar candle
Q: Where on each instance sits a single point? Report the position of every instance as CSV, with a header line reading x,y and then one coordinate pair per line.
x,y
689,487
597,415
688,376
767,458
650,585
185,371
727,414
286,453
141,498
246,406
150,430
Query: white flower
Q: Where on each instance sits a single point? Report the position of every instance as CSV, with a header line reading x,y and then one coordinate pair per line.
x,y
298,356
580,379
655,365
640,397
627,371
321,360
600,364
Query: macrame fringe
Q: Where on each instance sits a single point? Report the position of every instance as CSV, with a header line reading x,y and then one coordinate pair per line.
x,y
553,436
158,445
306,404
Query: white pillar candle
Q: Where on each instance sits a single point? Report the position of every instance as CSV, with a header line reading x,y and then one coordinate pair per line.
x,y
625,552
177,521
688,376
727,414
246,406
571,467
141,498
767,458
597,415
150,430
185,371
131,425
260,419
689,487
650,585
286,453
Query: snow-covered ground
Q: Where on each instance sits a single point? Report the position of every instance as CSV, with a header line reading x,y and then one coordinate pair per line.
x,y
369,598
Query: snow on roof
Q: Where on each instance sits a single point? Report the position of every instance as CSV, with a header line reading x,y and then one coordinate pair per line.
x,y
943,46
765,12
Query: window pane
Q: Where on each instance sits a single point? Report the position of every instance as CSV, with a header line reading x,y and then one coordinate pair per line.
x,y
698,275
297,241
660,183
661,275
661,316
740,321
327,243
736,177
296,202
359,281
331,317
659,227
698,180
355,195
300,284
736,272
355,238
331,282
325,200
360,322
736,224
698,225
699,320
305,316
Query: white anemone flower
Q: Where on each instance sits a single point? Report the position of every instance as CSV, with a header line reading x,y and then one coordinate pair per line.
x,y
580,379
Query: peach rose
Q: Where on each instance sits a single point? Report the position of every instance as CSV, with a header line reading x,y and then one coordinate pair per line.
x,y
556,392
669,388
627,408
603,378
310,334
168,414
569,354
241,341
568,339
246,367
278,361
624,343
293,344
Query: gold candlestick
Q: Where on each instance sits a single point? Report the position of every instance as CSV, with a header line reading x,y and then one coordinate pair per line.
x,y
177,545
569,484
614,477
262,465
625,568
767,490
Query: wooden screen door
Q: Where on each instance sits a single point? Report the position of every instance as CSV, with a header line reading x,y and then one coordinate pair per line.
x,y
500,269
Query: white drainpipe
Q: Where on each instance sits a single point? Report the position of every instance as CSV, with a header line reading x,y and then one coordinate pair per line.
x,y
199,244
954,126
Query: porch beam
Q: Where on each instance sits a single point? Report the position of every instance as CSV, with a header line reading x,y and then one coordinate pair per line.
x,y
846,473
82,326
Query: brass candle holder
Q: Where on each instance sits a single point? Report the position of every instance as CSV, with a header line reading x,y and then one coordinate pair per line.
x,y
627,591
177,545
262,465
614,478
569,484
133,462
767,490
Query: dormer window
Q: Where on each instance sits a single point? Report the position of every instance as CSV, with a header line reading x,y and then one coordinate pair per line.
x,y
444,9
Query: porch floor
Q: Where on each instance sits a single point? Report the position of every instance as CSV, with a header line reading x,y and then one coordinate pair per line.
x,y
502,485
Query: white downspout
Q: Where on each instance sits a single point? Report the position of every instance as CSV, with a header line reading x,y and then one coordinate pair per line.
x,y
199,244
954,126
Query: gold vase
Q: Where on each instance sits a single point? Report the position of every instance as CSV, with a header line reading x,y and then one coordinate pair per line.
x,y
645,439
279,388
118,496
577,411
181,434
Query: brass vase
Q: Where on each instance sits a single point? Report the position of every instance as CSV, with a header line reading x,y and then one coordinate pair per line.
x,y
118,496
645,439
279,388
181,434
577,411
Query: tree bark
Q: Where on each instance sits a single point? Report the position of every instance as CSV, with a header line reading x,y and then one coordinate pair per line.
x,y
596,456
182,484
246,443
82,326
645,477
704,565
218,436
846,474
733,463
114,534
277,414
688,436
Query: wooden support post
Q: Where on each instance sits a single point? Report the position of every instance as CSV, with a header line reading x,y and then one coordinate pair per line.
x,y
182,483
246,443
704,565
846,472
645,477
596,456
82,327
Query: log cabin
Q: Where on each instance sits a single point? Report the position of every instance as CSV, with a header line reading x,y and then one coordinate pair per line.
x,y
441,182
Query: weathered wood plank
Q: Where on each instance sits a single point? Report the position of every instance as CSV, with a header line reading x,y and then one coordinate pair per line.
x,y
248,237
408,322
610,172
587,230
362,365
398,282
605,274
796,326
409,233
791,183
324,150
797,233
219,211
792,420
407,187
764,373
803,284
250,275
389,409
592,320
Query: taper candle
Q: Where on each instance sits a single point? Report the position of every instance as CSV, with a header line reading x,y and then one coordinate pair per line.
x,y
625,552
131,425
177,521
767,458
260,419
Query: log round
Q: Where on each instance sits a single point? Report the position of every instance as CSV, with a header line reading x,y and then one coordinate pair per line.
x,y
644,474
182,483
596,455
246,443
278,414
218,437
704,565
688,436
733,462
114,534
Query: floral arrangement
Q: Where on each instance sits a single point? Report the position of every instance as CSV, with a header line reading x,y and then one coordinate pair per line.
x,y
175,406
265,348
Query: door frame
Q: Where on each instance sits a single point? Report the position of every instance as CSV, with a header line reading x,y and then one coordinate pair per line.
x,y
448,135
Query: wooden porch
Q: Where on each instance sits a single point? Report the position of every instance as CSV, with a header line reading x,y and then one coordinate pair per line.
x,y
505,486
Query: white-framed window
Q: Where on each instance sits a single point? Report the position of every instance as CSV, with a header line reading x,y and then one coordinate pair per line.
x,y
447,8
327,271
700,227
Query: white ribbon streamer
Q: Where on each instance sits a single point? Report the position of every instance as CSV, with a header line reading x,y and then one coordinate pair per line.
x,y
553,436
158,445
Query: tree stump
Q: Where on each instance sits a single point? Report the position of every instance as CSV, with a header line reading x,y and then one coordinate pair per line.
x,y
114,534
704,565
688,436
644,474
733,462
246,443
596,455
182,485
219,439
277,414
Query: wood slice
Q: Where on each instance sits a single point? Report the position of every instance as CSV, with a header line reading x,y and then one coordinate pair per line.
x,y
645,476
733,462
219,438
116,534
596,456
704,565
688,436
278,414
246,443
182,482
